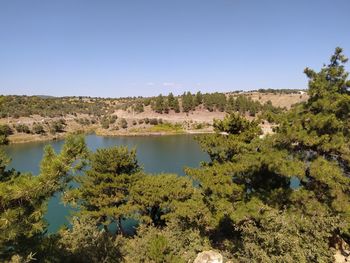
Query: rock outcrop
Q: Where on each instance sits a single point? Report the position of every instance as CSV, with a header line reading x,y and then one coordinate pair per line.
x,y
209,256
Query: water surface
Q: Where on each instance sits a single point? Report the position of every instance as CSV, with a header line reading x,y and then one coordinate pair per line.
x,y
157,154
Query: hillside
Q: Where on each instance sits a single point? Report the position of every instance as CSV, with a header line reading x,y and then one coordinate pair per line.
x,y
37,118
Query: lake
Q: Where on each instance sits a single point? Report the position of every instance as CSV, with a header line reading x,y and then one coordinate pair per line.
x,y
157,154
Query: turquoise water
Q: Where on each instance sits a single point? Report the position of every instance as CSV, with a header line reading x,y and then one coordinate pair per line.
x,y
156,154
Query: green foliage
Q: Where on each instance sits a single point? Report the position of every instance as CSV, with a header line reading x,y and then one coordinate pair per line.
x,y
237,134
86,243
83,121
22,128
167,127
284,197
198,99
138,107
159,104
25,106
235,124
38,128
5,131
155,198
176,106
256,211
169,244
104,189
173,103
23,198
274,236
57,126
123,123
214,101
105,122
187,102
279,91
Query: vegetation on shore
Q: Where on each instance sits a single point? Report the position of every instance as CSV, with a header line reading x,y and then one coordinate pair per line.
x,y
100,108
279,198
37,118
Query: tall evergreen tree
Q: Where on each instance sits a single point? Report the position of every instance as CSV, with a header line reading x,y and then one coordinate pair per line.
x,y
198,99
176,105
159,104
171,100
104,188
187,102
299,175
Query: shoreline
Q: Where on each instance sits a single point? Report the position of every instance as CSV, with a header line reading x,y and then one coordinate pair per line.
x,y
17,139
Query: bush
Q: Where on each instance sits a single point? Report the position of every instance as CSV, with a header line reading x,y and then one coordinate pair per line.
x,y
57,126
105,123
123,123
138,108
22,128
38,128
5,130
199,126
113,119
153,121
83,121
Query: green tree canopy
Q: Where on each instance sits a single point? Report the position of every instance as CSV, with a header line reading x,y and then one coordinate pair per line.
x,y
103,190
23,197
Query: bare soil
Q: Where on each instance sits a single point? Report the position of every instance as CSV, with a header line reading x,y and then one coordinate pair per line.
x,y
189,121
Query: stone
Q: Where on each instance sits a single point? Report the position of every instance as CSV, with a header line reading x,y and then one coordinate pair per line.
x,y
209,256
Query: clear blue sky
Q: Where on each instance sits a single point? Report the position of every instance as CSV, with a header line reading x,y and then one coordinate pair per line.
x,y
112,48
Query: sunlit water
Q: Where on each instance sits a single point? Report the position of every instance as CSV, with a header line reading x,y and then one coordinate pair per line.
x,y
157,154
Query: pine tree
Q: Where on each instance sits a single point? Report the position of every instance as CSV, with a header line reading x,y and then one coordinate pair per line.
x,y
171,100
176,106
159,104
262,191
198,98
187,102
104,188
24,197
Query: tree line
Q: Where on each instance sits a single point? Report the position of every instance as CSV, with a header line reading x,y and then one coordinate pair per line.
x,y
211,102
26,106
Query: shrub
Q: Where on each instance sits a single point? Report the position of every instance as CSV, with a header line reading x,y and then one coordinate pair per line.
x,y
153,121
83,121
57,126
38,128
105,123
123,123
5,130
113,119
22,128
138,108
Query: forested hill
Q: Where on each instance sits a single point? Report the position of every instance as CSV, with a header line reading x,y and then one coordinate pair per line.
x,y
46,106
284,197
30,118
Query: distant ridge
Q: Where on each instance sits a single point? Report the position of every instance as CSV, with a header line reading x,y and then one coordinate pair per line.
x,y
44,96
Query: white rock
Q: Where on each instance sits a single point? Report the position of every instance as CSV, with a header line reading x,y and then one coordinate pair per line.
x,y
209,256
